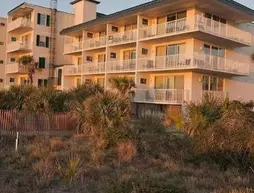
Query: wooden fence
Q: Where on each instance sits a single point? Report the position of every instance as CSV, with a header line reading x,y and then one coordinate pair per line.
x,y
27,123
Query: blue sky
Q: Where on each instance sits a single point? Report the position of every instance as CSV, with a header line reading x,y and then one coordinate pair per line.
x,y
106,6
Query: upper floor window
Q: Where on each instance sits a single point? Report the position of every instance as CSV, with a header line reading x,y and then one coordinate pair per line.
x,y
59,77
42,62
2,24
43,19
1,61
169,82
169,50
214,50
215,18
1,43
42,41
175,16
130,27
1,80
212,83
13,39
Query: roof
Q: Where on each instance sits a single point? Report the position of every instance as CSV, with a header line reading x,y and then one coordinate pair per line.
x,y
24,3
76,1
139,8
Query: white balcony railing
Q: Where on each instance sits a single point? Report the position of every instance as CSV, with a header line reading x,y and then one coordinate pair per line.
x,y
18,23
16,68
121,66
195,61
223,30
73,47
95,42
172,27
19,45
122,37
98,68
196,23
161,96
72,70
217,94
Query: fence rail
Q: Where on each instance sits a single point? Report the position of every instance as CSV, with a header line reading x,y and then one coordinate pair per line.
x,y
27,123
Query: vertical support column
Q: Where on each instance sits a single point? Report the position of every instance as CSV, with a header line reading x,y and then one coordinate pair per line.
x,y
138,48
107,57
83,59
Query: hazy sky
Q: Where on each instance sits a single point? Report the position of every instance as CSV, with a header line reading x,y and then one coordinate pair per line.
x,y
106,6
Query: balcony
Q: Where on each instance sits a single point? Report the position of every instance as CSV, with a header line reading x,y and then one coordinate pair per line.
x,y
72,70
98,68
73,48
122,37
19,46
216,31
20,25
121,66
16,68
217,94
162,96
95,43
196,61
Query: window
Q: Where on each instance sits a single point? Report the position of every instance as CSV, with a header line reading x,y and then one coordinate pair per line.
x,y
2,24
42,82
13,39
114,29
90,35
144,51
89,58
12,80
214,51
129,55
175,16
43,19
1,80
1,61
145,21
42,41
42,62
212,83
112,55
1,43
169,82
143,81
130,27
79,60
12,59
215,18
59,77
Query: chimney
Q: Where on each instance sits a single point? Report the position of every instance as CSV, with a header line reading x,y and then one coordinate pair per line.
x,y
84,10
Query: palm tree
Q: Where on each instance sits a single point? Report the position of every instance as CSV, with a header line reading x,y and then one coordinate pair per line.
x,y
124,85
30,64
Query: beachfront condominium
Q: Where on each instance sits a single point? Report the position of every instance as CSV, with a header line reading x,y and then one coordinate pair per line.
x,y
2,50
33,30
175,50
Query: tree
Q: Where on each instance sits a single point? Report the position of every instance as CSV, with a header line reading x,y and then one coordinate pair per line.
x,y
30,64
124,85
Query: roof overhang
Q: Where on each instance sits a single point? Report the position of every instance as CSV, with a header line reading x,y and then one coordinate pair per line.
x,y
21,10
92,1
228,9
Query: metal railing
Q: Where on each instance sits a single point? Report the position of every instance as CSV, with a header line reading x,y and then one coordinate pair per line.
x,y
162,96
196,60
197,22
122,37
97,68
73,47
95,42
72,70
217,94
121,66
172,27
223,30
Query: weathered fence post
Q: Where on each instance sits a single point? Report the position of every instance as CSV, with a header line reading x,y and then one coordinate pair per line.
x,y
17,142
